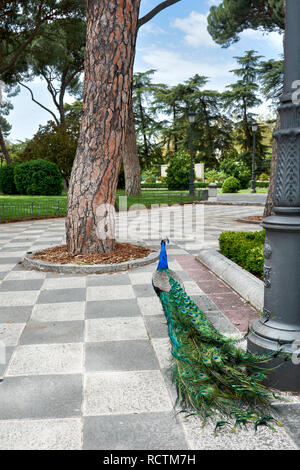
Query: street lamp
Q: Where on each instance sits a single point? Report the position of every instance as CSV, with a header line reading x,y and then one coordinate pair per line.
x,y
253,184
192,118
279,327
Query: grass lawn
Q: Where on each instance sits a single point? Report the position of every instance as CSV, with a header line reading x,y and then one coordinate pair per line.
x,y
26,207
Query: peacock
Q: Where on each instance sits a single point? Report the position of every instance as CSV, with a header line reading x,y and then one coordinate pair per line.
x,y
214,377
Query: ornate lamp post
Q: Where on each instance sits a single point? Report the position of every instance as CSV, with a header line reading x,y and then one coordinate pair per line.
x,y
253,184
192,118
279,328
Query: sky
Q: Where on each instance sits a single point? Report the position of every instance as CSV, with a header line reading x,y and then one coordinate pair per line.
x,y
177,45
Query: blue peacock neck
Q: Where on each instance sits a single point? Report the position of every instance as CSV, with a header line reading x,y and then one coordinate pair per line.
x,y
163,260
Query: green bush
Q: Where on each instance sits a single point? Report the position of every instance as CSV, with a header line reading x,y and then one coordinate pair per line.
x,y
245,249
178,172
38,177
231,166
231,185
7,182
215,176
264,177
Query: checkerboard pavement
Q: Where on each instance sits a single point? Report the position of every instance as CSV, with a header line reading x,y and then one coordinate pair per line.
x,y
87,356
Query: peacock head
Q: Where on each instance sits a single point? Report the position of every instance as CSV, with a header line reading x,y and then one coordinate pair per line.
x,y
163,261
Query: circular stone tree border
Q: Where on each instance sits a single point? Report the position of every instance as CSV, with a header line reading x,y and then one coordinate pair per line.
x,y
39,265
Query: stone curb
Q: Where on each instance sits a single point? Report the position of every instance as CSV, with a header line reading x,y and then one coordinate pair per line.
x,y
34,264
245,284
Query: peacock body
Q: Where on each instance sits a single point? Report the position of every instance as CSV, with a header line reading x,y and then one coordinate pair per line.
x,y
214,377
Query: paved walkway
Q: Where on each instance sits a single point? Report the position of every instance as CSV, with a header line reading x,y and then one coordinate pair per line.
x,y
87,356
239,198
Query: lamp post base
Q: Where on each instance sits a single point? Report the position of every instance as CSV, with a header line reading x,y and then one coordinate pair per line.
x,y
286,373
279,329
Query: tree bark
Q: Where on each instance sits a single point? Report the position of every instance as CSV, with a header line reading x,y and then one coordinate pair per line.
x,y
270,199
4,149
131,158
110,51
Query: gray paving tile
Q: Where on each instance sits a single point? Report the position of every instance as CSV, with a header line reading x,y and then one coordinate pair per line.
x,y
61,295
112,308
120,355
22,285
47,396
144,431
5,355
8,249
221,323
107,280
14,314
289,415
37,332
204,303
156,326
3,275
10,260
144,290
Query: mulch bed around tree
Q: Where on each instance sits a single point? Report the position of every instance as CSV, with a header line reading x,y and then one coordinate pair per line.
x,y
122,252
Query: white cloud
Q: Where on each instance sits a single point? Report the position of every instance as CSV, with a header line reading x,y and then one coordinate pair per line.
x,y
273,39
172,68
213,2
195,28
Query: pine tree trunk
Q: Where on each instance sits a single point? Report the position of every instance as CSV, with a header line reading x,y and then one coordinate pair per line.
x,y
131,162
270,199
110,51
4,149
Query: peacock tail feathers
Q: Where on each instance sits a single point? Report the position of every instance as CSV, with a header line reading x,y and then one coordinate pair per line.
x,y
214,377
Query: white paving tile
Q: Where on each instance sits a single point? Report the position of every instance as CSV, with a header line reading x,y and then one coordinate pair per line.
x,y
58,312
10,333
192,288
64,283
162,348
6,267
115,329
140,277
107,393
110,293
18,298
150,305
48,434
24,275
43,359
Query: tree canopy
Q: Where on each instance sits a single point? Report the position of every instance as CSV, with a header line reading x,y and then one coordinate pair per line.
x,y
227,20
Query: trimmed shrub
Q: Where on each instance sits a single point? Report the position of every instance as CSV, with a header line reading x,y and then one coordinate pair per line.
x,y
178,172
264,177
7,182
38,177
245,249
231,185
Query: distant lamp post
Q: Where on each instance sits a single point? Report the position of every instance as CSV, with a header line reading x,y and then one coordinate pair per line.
x,y
279,327
253,183
192,118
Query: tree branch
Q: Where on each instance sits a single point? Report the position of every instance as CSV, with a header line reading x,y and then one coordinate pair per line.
x,y
37,102
162,6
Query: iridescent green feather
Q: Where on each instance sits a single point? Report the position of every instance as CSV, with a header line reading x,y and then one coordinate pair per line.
x,y
212,374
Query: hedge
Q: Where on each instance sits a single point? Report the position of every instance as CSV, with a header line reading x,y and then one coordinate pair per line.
x,y
7,182
38,177
245,249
